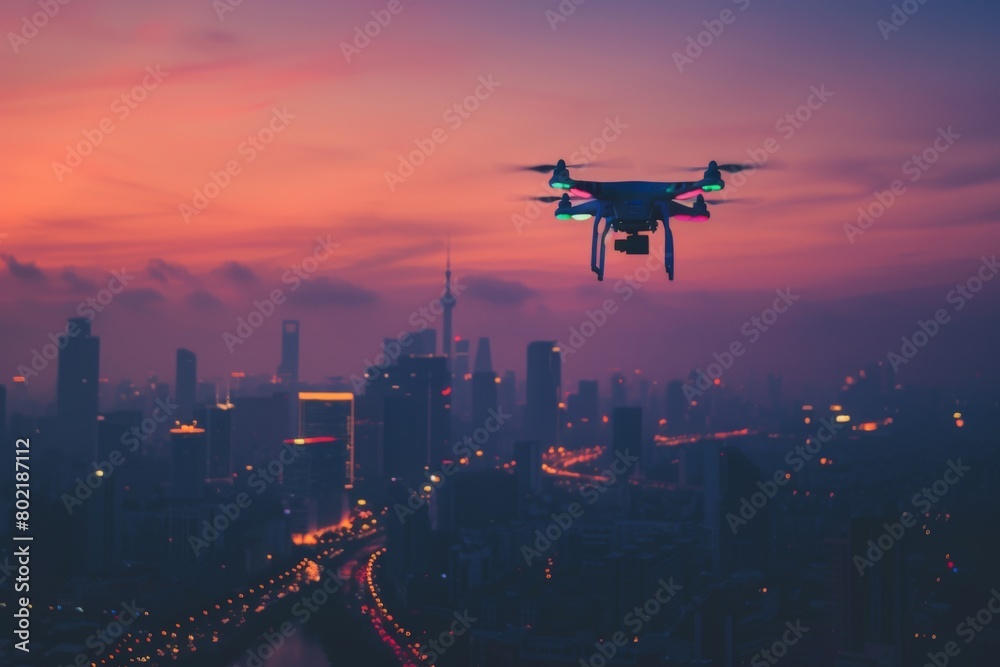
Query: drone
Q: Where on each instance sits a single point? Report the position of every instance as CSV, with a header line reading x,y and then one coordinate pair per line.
x,y
633,207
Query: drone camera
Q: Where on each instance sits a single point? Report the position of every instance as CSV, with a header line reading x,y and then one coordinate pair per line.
x,y
633,245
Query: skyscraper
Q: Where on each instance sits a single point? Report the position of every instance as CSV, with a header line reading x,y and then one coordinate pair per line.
x,y
484,357
544,391
330,414
528,454
448,303
485,387
188,461
485,397
217,420
588,401
186,382
77,389
314,483
288,370
417,413
626,428
424,342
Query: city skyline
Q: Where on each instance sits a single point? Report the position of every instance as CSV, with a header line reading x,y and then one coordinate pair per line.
x,y
184,294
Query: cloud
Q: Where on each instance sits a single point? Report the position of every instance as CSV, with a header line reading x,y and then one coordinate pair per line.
x,y
499,292
24,271
78,283
236,272
140,298
203,300
325,291
163,271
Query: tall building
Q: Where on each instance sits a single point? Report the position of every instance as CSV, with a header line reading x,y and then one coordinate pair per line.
x,y
448,303
485,397
588,400
77,389
484,357
528,455
217,420
544,391
186,383
508,391
417,414
329,413
259,422
461,383
288,369
676,408
314,484
485,386
3,413
626,429
188,461
112,427
619,390
424,342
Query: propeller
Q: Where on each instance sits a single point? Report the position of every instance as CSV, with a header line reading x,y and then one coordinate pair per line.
x,y
551,199
733,200
737,167
551,168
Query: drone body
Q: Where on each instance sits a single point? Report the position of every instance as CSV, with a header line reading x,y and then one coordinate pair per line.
x,y
633,208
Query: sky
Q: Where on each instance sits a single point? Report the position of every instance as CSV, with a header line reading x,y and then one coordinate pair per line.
x,y
119,115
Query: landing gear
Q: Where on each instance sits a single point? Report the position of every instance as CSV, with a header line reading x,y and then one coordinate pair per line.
x,y
668,249
597,266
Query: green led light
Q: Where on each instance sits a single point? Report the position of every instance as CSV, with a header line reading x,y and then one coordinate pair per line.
x,y
711,188
582,216
563,216
562,186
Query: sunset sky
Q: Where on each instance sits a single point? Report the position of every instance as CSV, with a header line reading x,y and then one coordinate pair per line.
x,y
345,119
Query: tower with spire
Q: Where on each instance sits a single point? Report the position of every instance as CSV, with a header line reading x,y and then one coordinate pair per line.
x,y
448,302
